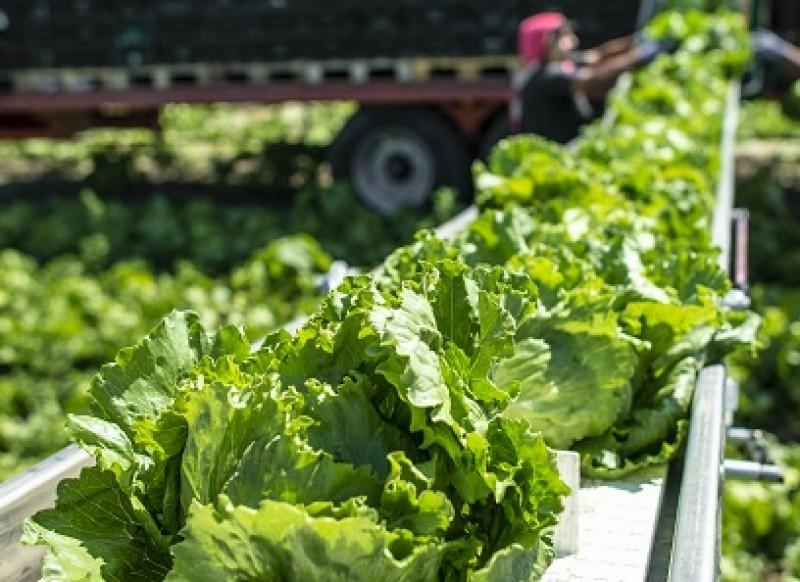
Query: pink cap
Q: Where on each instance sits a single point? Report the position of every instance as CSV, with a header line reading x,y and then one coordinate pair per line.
x,y
534,35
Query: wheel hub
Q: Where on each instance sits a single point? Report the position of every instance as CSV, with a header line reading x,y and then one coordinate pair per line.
x,y
394,167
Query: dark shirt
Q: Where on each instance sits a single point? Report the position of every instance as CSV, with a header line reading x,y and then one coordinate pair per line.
x,y
548,103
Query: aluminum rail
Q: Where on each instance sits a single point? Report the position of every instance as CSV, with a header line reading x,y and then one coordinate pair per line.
x,y
695,553
721,229
24,495
696,542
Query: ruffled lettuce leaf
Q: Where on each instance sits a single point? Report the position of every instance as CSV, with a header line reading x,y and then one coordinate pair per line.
x,y
282,541
388,461
95,534
560,365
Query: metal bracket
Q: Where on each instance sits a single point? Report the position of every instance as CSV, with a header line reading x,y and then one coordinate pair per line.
x,y
760,467
752,471
753,442
738,298
731,401
741,226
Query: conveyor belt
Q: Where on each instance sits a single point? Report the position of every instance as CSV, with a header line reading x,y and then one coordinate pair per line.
x,y
623,534
644,527
615,521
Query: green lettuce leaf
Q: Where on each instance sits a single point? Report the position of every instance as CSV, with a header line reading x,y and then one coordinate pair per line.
x,y
281,541
559,366
95,534
651,435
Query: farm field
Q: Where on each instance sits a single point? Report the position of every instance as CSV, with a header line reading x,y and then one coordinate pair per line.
x,y
408,429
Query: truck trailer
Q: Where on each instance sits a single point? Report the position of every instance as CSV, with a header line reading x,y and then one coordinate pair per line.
x,y
432,77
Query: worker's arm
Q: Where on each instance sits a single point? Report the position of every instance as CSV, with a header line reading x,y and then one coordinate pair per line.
x,y
598,79
609,49
772,48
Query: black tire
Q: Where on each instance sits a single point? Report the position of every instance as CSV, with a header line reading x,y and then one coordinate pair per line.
x,y
397,157
496,130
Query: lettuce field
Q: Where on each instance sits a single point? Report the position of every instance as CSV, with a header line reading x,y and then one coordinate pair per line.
x,y
407,430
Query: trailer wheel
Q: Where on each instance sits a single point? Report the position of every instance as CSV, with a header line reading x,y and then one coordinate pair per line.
x,y
398,157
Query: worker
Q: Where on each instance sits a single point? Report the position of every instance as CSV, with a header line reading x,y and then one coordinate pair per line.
x,y
558,88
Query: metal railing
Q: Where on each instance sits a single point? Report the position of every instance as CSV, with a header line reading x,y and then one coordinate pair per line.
x,y
695,554
695,549
24,495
